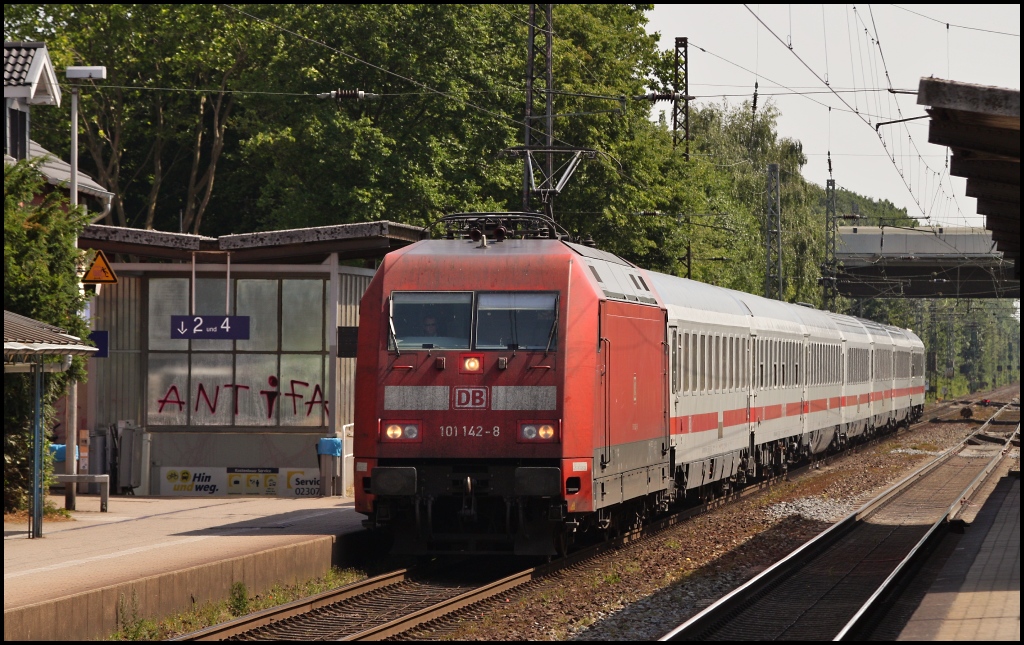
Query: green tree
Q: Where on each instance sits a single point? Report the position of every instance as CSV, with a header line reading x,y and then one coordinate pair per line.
x,y
40,281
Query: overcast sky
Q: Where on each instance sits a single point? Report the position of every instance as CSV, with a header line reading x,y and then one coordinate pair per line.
x,y
831,40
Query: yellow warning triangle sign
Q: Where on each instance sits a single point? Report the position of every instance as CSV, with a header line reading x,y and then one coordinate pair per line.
x,y
100,272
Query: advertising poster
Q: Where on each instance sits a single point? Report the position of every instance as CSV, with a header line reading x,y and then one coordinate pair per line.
x,y
193,481
272,482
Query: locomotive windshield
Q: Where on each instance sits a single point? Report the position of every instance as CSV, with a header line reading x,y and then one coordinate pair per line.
x,y
513,320
431,320
445,320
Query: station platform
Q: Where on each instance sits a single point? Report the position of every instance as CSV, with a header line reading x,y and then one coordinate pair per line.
x,y
169,553
976,596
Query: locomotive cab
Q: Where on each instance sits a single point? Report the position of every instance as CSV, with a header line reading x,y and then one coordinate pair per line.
x,y
459,424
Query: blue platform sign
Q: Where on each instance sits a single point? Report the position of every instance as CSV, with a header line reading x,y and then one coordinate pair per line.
x,y
101,338
210,327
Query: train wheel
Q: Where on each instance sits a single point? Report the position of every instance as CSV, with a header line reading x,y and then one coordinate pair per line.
x,y
561,540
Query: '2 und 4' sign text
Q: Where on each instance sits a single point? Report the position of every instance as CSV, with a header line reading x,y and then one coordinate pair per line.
x,y
210,327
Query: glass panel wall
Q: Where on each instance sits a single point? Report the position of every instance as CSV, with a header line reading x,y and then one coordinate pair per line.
x,y
276,377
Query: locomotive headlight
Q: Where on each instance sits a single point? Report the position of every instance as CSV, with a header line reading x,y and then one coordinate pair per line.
x,y
471,364
537,432
401,431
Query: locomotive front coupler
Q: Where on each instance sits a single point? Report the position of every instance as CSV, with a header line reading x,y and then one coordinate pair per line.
x,y
468,510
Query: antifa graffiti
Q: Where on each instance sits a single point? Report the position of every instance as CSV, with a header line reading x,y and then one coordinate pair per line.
x,y
209,396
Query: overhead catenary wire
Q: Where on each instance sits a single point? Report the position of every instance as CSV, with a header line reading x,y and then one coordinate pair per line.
x,y
776,83
907,183
950,24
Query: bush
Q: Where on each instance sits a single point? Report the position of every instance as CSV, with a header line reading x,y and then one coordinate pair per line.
x,y
41,261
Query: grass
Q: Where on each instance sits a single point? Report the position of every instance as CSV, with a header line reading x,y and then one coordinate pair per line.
x,y
133,627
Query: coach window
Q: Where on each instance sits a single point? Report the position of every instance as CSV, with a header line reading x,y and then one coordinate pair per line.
x,y
760,363
694,365
702,363
796,365
782,363
732,363
430,320
818,365
775,363
791,361
719,364
516,320
748,375
675,359
711,367
686,362
814,363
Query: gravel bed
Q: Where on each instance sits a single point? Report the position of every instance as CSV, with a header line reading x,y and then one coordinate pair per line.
x,y
651,587
822,509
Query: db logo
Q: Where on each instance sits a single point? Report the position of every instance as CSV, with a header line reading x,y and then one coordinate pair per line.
x,y
470,397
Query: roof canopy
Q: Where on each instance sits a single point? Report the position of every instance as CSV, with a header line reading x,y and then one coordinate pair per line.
x,y
981,125
26,339
301,245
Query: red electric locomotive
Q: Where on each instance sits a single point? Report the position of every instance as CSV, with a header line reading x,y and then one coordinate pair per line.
x,y
514,389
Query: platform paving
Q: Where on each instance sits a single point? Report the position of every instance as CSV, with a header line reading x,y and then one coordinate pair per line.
x,y
976,597
170,553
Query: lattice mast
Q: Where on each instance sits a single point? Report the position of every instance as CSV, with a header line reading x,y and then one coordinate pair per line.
x,y
538,123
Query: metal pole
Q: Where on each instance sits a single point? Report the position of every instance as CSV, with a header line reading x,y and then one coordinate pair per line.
x,y
549,125
192,306
528,118
333,394
227,289
37,451
773,237
829,275
71,431
74,145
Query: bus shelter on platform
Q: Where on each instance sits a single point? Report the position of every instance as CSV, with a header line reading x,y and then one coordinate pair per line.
x,y
35,347
226,362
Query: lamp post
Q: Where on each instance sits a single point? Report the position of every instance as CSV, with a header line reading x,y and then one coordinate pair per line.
x,y
71,444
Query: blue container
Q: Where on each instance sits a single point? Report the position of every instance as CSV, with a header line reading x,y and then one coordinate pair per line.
x,y
329,446
59,452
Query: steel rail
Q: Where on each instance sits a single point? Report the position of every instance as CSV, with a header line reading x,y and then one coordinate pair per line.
x,y
719,611
862,622
298,607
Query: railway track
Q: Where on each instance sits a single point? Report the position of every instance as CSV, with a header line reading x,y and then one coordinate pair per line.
x,y
394,603
834,586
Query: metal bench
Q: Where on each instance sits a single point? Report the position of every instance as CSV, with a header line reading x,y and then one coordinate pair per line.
x,y
102,480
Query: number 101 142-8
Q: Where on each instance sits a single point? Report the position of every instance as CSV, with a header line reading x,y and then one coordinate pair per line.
x,y
470,431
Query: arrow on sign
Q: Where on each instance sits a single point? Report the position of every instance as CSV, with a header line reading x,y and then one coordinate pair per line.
x,y
182,329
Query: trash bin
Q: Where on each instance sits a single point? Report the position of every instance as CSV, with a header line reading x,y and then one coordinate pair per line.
x,y
99,457
329,451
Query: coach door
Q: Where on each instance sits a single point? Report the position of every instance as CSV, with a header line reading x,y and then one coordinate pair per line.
x,y
634,385
804,375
